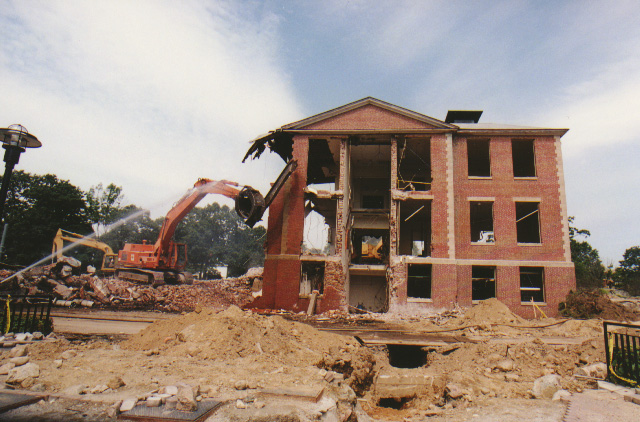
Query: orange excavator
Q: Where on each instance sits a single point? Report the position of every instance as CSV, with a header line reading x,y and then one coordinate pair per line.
x,y
165,261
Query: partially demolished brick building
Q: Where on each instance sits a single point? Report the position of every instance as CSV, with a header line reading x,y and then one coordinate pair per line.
x,y
389,207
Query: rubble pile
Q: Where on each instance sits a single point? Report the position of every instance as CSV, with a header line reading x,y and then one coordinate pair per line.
x,y
93,291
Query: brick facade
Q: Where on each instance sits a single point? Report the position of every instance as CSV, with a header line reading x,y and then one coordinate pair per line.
x,y
369,135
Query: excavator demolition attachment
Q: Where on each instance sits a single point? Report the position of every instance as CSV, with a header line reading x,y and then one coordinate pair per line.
x,y
165,261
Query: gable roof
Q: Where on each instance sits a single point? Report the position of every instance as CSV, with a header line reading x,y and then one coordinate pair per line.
x,y
371,103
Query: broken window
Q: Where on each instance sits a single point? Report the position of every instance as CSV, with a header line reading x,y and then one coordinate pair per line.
x,y
414,165
532,284
524,161
478,157
312,278
319,225
368,292
370,246
483,282
419,281
481,221
323,164
528,222
372,193
415,228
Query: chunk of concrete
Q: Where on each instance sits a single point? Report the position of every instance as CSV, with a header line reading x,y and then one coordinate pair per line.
x,y
115,382
20,373
18,351
186,399
545,387
68,354
20,360
4,369
505,365
128,404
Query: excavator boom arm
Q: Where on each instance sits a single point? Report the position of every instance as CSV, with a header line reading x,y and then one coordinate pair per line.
x,y
201,188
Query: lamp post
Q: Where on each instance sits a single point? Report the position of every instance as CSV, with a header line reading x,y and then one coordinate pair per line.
x,y
15,139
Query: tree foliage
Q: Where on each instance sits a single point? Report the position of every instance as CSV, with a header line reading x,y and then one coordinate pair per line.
x,y
36,207
103,205
590,272
216,236
627,275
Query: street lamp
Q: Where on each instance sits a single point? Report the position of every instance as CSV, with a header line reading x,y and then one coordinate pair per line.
x,y
15,139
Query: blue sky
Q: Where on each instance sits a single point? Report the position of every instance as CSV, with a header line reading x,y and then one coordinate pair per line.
x,y
151,95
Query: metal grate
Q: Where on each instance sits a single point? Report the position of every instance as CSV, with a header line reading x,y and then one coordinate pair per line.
x,y
622,347
22,313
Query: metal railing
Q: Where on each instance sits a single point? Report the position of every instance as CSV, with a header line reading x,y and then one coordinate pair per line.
x,y
622,347
22,313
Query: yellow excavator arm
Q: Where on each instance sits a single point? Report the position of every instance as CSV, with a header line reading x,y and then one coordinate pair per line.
x,y
109,259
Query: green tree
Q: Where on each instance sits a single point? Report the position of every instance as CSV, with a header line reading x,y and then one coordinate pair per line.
x,y
216,236
590,272
37,206
104,205
627,275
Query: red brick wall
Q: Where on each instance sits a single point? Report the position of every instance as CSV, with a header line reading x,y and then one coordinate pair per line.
x,y
504,188
439,211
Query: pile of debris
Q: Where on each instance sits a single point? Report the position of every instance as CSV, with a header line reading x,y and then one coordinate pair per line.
x,y
92,291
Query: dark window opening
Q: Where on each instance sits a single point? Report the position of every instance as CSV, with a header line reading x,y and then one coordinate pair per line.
x,y
478,157
322,164
403,356
524,162
532,284
415,228
312,278
528,222
414,165
483,282
419,281
370,246
481,221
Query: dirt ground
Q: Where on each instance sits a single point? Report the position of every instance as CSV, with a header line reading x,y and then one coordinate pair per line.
x,y
233,355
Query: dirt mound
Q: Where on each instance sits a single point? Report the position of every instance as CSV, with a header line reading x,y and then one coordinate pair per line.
x,y
490,311
594,304
233,334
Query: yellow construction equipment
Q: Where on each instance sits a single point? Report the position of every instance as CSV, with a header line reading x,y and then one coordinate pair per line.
x,y
108,261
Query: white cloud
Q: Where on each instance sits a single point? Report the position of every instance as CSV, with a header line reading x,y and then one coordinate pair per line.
x,y
149,95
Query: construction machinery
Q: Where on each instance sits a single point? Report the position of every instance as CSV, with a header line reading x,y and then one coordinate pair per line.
x,y
165,261
108,260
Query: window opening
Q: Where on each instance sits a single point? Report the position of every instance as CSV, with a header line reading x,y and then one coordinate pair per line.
x,y
319,226
370,246
532,284
481,221
419,281
322,167
524,162
478,157
415,228
528,222
312,278
414,165
483,282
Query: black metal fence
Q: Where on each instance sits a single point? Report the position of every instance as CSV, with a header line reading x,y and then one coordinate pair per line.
x,y
622,347
22,314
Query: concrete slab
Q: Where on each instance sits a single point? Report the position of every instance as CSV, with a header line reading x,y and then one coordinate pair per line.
x,y
600,405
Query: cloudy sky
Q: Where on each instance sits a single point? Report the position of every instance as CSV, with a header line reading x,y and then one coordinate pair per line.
x,y
152,95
